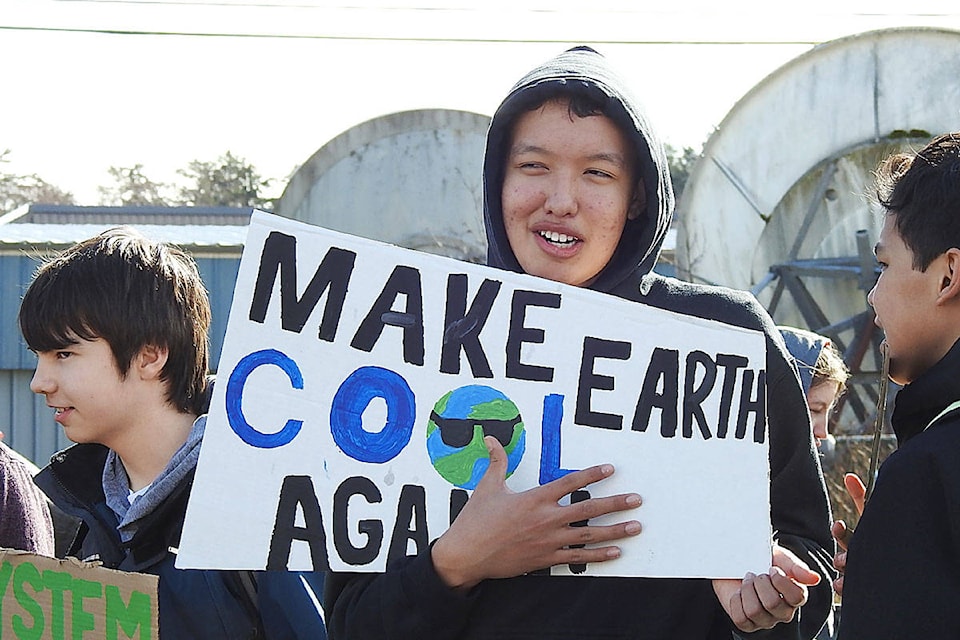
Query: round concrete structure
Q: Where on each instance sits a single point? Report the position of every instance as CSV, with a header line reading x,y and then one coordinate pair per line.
x,y
412,179
794,157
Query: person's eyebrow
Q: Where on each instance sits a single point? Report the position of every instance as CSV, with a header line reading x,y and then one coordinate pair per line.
x,y
614,158
877,248
526,148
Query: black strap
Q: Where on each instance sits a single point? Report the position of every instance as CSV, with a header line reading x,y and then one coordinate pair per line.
x,y
248,586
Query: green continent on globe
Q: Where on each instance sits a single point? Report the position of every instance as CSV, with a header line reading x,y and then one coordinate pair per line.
x,y
459,464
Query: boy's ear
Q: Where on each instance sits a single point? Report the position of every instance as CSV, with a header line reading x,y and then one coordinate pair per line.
x,y
150,361
950,284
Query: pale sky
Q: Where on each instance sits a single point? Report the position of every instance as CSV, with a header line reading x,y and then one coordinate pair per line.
x,y
90,84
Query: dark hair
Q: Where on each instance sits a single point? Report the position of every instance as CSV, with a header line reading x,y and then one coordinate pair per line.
x,y
131,292
922,192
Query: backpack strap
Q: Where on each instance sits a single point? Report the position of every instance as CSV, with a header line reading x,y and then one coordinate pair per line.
x,y
952,407
248,583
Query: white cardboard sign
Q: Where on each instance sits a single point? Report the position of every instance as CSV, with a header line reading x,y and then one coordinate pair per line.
x,y
358,379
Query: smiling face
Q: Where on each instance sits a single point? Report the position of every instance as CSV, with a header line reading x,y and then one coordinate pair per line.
x,y
91,400
566,193
905,300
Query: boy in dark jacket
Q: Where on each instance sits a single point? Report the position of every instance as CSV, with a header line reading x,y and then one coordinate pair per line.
x,y
119,325
577,190
900,571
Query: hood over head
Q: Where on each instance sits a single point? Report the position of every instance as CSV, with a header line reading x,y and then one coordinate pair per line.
x,y
582,70
805,347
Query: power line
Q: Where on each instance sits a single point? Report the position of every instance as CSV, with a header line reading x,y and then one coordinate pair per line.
x,y
421,8
292,36
173,3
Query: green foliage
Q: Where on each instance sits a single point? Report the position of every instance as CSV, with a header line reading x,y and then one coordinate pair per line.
x,y
899,134
18,190
132,188
228,181
681,162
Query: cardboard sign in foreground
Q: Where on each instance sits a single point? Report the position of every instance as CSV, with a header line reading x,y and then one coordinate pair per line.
x,y
49,599
358,379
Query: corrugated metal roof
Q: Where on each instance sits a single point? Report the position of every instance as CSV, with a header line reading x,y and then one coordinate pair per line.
x,y
16,237
67,214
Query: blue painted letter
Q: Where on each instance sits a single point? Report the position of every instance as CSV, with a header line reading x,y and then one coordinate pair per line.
x,y
550,439
235,385
352,399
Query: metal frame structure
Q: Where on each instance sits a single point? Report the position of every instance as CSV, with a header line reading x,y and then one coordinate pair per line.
x,y
788,277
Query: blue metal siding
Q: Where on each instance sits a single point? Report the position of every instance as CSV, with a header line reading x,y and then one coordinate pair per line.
x,y
25,419
220,277
16,272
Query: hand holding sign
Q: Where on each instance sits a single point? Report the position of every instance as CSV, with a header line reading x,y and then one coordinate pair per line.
x,y
501,534
761,602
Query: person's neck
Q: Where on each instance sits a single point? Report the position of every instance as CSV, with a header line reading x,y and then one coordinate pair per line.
x,y
145,454
950,336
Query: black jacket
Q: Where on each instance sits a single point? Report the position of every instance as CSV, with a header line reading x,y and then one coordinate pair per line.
x,y
411,602
192,603
903,564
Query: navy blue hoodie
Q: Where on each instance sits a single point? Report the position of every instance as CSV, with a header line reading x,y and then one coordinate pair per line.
x,y
411,602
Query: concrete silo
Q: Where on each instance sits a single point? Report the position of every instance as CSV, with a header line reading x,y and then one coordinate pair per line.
x,y
785,182
412,179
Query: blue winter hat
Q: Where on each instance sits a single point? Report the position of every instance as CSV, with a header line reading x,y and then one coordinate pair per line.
x,y
805,347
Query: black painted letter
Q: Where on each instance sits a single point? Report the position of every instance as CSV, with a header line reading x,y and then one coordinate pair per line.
x,y
520,334
280,254
730,364
297,490
403,281
372,529
594,348
462,326
756,406
411,510
694,397
665,366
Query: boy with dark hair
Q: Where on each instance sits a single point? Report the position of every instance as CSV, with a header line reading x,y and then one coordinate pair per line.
x,y
119,325
900,572
577,190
